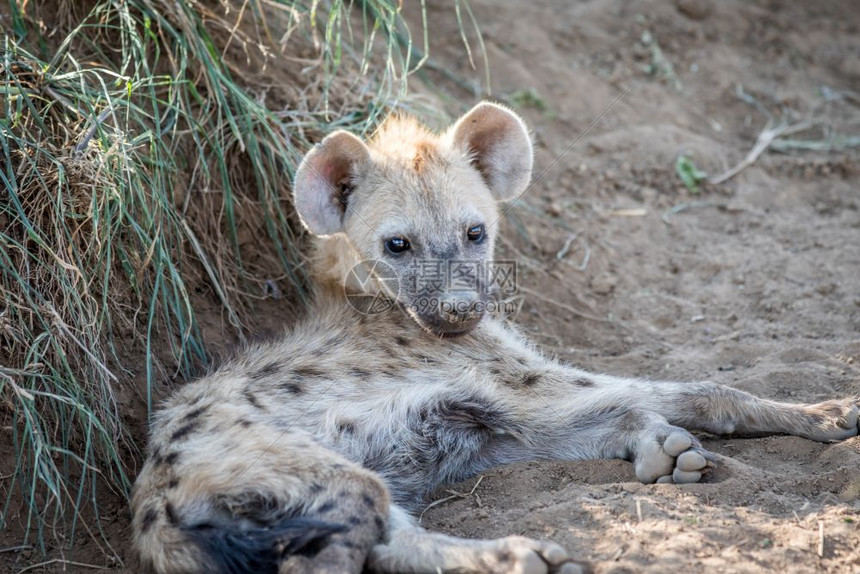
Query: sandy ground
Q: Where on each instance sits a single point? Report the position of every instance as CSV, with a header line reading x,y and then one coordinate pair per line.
x,y
754,283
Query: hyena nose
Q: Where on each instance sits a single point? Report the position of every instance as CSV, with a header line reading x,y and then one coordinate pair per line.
x,y
459,309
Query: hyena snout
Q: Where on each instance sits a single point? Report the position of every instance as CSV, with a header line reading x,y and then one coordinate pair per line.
x,y
458,311
453,314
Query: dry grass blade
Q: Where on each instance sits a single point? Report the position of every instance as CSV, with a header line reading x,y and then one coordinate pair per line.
x,y
774,136
453,495
765,138
63,563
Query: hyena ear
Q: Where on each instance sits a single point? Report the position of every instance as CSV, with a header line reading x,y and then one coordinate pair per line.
x,y
324,180
499,143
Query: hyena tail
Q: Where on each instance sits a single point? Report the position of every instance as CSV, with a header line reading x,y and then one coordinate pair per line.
x,y
219,509
184,540
232,550
323,523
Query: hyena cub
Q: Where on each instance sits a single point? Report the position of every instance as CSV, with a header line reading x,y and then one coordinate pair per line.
x,y
308,454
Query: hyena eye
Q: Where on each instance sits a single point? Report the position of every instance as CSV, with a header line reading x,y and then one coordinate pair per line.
x,y
397,245
476,233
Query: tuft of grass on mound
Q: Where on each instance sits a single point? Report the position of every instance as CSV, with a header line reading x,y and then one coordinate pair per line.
x,y
144,144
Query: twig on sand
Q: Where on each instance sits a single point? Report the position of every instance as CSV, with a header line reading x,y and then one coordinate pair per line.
x,y
764,140
687,205
586,258
454,494
835,143
770,134
15,548
63,562
566,247
612,320
821,539
564,306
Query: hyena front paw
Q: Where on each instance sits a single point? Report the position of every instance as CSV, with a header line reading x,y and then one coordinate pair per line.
x,y
832,420
519,555
671,457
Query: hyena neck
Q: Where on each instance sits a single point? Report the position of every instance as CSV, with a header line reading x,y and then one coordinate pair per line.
x,y
333,259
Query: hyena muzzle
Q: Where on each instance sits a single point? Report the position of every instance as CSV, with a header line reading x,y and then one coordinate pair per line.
x,y
307,454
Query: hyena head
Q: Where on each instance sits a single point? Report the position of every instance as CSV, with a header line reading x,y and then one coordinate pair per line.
x,y
425,205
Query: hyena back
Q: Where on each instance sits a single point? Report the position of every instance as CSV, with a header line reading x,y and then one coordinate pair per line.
x,y
307,454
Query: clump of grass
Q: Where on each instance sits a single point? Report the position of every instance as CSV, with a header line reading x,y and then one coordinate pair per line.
x,y
527,98
142,143
660,66
691,176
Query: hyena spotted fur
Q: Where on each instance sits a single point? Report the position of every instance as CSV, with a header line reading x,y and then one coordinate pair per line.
x,y
308,454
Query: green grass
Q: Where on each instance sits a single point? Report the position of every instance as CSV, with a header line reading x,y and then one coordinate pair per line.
x,y
690,175
138,146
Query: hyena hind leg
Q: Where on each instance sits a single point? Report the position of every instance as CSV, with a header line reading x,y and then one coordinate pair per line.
x,y
288,506
724,410
412,550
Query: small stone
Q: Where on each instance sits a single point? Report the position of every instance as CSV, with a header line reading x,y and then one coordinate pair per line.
x,y
594,148
695,9
553,209
603,285
649,194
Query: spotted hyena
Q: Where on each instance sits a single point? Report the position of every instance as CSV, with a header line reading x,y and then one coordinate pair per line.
x,y
309,454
